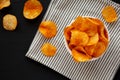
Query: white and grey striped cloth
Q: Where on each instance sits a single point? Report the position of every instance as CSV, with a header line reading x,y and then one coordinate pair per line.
x,y
62,12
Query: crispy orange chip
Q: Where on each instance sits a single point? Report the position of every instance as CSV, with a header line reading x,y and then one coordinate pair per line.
x,y
48,49
79,38
109,14
80,49
67,32
91,27
32,9
4,3
79,57
90,49
99,49
78,22
93,39
48,29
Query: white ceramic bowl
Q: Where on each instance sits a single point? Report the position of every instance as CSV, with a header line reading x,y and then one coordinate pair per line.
x,y
68,49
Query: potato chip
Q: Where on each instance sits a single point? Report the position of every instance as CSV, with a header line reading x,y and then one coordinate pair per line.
x,y
32,9
90,49
9,22
91,27
79,38
103,35
79,57
48,49
93,39
109,14
80,49
78,22
67,32
99,49
4,3
48,29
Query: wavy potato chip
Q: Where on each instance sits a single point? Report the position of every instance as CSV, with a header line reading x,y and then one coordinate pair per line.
x,y
77,23
67,32
9,22
32,9
79,38
90,49
80,49
99,49
93,39
4,3
79,57
48,49
109,14
48,29
91,27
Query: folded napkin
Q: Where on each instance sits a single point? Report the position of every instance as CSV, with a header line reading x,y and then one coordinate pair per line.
x,y
62,12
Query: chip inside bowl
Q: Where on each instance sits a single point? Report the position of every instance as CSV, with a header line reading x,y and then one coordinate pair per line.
x,y
86,38
32,9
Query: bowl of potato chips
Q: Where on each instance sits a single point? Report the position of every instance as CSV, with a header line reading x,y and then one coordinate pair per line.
x,y
86,38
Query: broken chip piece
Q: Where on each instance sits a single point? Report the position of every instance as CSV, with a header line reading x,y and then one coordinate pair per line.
x,y
32,9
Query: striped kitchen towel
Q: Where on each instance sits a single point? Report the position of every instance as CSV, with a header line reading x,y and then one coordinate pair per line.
x,y
62,12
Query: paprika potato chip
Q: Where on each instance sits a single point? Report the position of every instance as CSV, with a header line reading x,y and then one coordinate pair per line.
x,y
48,29
77,23
99,49
109,14
9,22
4,3
32,9
79,38
93,39
67,32
80,49
48,49
91,27
90,49
79,57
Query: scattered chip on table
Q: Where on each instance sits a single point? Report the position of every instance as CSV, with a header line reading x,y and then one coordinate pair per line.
x,y
48,49
9,22
109,14
4,3
48,29
32,9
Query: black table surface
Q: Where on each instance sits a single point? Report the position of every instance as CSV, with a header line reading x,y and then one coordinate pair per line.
x,y
14,45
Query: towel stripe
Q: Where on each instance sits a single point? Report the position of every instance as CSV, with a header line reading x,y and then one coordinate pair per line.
x,y
62,12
